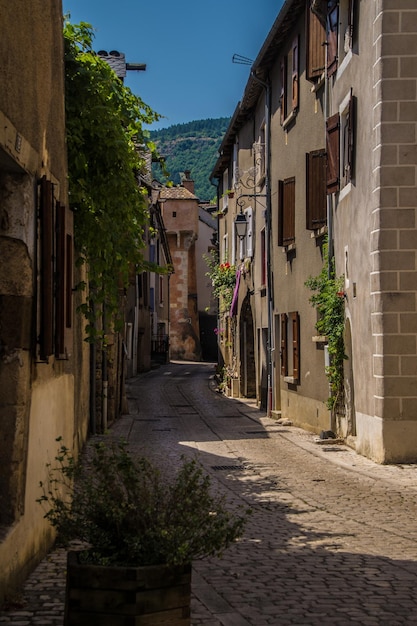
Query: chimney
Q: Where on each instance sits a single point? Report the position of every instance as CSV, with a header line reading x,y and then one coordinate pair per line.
x,y
187,183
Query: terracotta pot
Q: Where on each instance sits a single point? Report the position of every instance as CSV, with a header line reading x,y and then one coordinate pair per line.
x,y
126,596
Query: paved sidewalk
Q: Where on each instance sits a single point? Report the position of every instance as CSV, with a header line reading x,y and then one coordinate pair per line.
x,y
332,539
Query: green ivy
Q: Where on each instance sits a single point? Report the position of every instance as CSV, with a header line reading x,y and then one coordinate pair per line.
x,y
329,301
106,153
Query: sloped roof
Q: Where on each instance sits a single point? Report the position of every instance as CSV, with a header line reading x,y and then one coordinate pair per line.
x,y
267,56
176,193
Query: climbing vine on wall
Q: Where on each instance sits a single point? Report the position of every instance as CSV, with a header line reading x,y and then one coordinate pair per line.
x,y
106,152
329,301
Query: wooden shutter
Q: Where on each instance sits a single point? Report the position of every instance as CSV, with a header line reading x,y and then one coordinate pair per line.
x,y
284,345
295,323
332,36
289,211
332,149
316,214
280,212
295,63
60,282
283,96
68,281
316,46
286,211
46,331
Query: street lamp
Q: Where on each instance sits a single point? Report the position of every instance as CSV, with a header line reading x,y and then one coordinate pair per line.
x,y
241,225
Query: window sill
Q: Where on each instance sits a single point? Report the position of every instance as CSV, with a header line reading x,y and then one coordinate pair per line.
x,y
319,232
345,191
291,380
319,339
345,62
289,119
289,248
319,84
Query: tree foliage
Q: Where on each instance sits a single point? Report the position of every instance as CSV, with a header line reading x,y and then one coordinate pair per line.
x,y
192,146
106,148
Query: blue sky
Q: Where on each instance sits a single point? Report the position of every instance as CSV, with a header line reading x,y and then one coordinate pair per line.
x,y
187,46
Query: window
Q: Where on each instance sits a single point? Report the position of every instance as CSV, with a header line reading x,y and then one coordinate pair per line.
x,y
316,40
340,146
290,346
224,256
346,137
225,188
289,98
259,148
316,214
263,258
286,212
246,244
340,31
55,275
161,290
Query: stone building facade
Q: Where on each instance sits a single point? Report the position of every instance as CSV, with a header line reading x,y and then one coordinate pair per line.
x,y
42,358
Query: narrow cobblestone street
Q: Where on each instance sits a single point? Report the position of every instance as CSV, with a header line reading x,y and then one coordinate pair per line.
x,y
332,538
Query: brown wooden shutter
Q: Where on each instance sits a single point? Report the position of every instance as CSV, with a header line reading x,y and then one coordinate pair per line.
x,y
68,281
316,48
46,331
332,36
280,212
295,322
289,211
60,282
332,149
283,96
295,63
286,211
284,345
316,214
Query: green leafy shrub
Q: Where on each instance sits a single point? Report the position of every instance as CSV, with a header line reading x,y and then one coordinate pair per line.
x,y
128,514
329,301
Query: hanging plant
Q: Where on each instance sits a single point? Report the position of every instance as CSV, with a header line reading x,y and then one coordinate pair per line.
x,y
329,301
223,280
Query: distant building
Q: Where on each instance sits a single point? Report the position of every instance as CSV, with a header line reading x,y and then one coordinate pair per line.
x,y
207,304
179,206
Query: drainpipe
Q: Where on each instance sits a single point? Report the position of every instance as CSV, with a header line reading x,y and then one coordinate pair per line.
x,y
268,224
329,203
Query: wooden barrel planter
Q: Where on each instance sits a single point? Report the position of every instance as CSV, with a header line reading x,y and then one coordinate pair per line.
x,y
126,596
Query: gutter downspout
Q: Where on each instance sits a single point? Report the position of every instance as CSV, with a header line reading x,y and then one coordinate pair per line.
x,y
268,223
329,202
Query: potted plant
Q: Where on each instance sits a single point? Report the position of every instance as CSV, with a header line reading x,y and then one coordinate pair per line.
x,y
139,530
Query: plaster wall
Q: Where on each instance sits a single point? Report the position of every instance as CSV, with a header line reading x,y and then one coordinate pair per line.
x,y
51,416
291,268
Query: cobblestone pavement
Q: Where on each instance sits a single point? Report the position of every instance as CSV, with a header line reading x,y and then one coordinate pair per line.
x,y
332,539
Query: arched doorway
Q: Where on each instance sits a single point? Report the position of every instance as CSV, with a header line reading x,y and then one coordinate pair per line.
x,y
247,351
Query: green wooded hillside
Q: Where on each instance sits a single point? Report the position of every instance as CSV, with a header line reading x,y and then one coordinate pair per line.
x,y
191,146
